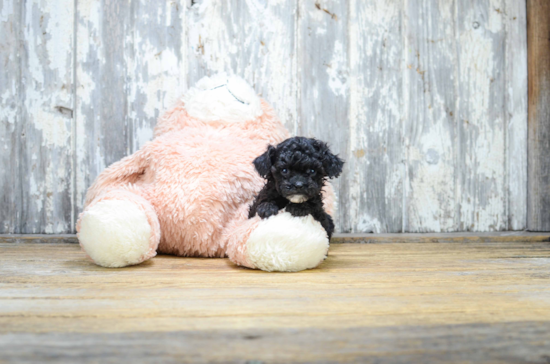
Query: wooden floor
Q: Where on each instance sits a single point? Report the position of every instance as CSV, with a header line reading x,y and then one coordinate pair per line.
x,y
397,303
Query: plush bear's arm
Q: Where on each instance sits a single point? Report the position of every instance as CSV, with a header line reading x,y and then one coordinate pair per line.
x,y
268,202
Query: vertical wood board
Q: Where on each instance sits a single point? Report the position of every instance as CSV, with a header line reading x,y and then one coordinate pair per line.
x,y
131,66
323,79
426,100
39,118
538,37
516,112
11,121
101,90
375,157
480,117
429,117
252,39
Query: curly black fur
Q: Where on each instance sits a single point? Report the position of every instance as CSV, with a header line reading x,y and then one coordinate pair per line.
x,y
296,167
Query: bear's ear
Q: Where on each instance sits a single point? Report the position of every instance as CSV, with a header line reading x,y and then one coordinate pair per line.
x,y
264,162
332,164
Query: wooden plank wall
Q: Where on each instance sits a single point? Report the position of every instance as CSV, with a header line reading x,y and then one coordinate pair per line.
x,y
538,37
426,100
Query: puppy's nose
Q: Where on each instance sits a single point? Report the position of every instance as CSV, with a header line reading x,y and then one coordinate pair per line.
x,y
298,184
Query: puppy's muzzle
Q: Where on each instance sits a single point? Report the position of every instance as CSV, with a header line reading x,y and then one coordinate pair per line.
x,y
297,198
296,191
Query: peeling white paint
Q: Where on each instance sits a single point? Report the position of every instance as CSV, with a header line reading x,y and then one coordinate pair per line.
x,y
482,199
378,69
143,135
54,128
259,48
337,70
369,224
8,111
431,197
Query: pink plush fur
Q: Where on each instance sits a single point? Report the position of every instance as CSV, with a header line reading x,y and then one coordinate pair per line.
x,y
195,181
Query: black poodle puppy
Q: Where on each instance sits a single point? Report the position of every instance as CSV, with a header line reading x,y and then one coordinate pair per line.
x,y
296,171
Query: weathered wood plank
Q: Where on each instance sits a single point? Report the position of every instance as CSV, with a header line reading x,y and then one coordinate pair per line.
x,y
516,112
131,66
429,117
39,238
156,59
480,117
360,238
252,39
11,122
55,288
101,89
323,78
47,116
401,302
462,237
514,342
375,158
538,38
426,100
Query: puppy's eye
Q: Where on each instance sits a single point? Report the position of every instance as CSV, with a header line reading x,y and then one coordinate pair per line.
x,y
284,171
311,171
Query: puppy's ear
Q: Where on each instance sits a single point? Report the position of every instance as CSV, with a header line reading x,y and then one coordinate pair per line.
x,y
332,164
264,162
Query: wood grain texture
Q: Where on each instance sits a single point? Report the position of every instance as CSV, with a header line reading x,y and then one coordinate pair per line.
x,y
538,38
10,116
474,302
47,108
338,238
428,126
253,39
462,237
323,78
516,112
480,110
515,342
101,103
39,238
374,158
131,66
425,100
37,116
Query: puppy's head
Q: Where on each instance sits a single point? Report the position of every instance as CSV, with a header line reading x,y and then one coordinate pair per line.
x,y
299,167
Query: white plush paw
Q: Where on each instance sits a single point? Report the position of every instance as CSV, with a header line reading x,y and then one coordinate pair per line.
x,y
115,233
284,243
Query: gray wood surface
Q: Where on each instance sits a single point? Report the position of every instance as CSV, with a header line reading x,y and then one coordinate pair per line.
x,y
512,342
516,113
323,75
475,301
255,40
10,116
429,118
539,115
425,100
340,238
375,167
130,66
37,117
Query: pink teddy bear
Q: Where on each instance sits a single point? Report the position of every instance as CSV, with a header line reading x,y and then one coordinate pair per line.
x,y
187,192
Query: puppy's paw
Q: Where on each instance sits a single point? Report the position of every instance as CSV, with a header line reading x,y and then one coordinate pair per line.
x,y
267,209
298,209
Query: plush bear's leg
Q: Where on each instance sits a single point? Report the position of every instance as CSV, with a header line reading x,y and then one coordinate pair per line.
x,y
119,228
281,243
